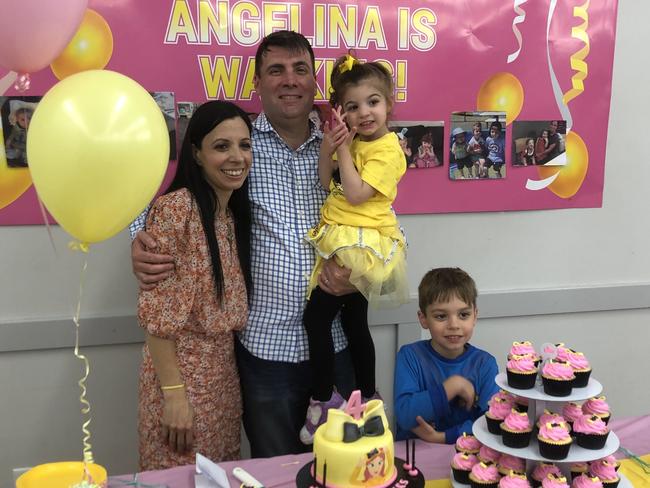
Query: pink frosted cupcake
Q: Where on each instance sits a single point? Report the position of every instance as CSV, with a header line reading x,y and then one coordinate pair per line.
x,y
548,416
553,440
484,475
505,396
562,352
578,468
590,432
597,406
611,460
468,443
498,410
524,348
521,403
461,466
521,372
606,471
541,471
557,378
516,429
571,411
509,463
488,455
581,369
514,480
554,481
586,481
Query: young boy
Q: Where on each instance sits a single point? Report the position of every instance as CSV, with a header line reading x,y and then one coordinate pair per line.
x,y
496,145
443,385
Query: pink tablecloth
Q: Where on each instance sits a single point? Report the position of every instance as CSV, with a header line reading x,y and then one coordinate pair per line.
x,y
432,459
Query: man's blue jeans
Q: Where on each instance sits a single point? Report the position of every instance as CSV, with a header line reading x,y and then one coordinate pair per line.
x,y
276,397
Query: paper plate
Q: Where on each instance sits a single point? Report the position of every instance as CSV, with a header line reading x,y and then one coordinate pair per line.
x,y
60,475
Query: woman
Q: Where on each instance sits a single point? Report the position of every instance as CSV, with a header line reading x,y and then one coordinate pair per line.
x,y
190,398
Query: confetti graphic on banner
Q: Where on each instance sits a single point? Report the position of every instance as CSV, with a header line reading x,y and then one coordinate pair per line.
x,y
578,59
521,16
575,162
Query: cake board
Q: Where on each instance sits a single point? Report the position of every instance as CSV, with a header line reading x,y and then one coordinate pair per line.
x,y
304,479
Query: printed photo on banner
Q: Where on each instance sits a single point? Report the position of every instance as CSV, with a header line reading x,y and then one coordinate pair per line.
x,y
477,145
538,142
422,142
16,114
165,101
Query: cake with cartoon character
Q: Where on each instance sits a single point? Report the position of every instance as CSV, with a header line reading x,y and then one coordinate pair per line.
x,y
354,447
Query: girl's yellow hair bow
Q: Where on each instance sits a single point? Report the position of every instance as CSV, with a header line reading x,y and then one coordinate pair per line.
x,y
347,64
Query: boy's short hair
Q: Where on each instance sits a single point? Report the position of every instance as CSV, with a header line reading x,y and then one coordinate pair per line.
x,y
442,284
496,125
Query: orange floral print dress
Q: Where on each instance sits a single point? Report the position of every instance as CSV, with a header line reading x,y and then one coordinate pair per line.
x,y
184,308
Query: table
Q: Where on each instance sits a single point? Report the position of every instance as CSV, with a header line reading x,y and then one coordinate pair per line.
x,y
432,459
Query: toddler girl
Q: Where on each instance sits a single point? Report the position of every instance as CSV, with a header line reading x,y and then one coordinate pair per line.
x,y
358,228
426,158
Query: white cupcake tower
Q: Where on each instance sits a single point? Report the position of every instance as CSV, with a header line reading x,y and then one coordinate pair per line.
x,y
536,401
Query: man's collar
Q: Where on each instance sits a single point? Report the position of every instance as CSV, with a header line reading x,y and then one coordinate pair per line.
x,y
262,124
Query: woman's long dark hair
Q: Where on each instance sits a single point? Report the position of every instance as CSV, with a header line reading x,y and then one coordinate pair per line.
x,y
189,175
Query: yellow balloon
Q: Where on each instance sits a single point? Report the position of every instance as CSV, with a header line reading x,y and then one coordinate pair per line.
x,y
501,93
13,181
98,149
60,475
90,48
572,174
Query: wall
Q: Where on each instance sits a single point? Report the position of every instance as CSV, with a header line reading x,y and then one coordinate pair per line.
x,y
577,276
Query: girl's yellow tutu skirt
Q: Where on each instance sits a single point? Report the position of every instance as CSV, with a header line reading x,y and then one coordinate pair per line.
x,y
377,261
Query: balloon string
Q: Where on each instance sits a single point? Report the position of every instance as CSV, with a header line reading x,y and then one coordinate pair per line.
x,y
85,409
47,224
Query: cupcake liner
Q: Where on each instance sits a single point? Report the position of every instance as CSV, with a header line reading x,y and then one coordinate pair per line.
x,y
484,484
515,439
461,475
581,378
610,484
493,425
521,381
558,388
591,441
553,451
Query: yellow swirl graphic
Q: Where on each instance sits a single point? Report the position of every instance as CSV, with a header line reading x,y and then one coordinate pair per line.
x,y
521,16
578,58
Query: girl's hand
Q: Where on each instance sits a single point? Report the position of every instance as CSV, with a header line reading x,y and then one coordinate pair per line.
x,y
339,121
177,421
332,138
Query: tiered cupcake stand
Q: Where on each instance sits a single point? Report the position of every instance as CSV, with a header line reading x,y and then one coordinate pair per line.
x,y
537,400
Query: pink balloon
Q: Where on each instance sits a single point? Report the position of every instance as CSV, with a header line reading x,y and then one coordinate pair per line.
x,y
34,32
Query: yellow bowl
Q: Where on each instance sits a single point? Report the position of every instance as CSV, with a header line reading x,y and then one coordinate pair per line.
x,y
60,475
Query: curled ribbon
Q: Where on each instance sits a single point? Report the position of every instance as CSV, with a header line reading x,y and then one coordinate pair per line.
x,y
521,16
78,246
85,409
347,64
578,58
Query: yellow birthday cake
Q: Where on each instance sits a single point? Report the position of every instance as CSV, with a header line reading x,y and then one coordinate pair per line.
x,y
354,447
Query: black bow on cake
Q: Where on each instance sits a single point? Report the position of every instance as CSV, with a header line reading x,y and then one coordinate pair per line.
x,y
373,427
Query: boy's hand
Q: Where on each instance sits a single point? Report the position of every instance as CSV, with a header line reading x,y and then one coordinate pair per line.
x,y
427,432
458,386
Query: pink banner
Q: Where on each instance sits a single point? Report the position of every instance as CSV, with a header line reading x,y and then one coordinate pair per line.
x,y
527,63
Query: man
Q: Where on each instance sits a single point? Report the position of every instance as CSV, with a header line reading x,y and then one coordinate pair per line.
x,y
286,196
553,148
